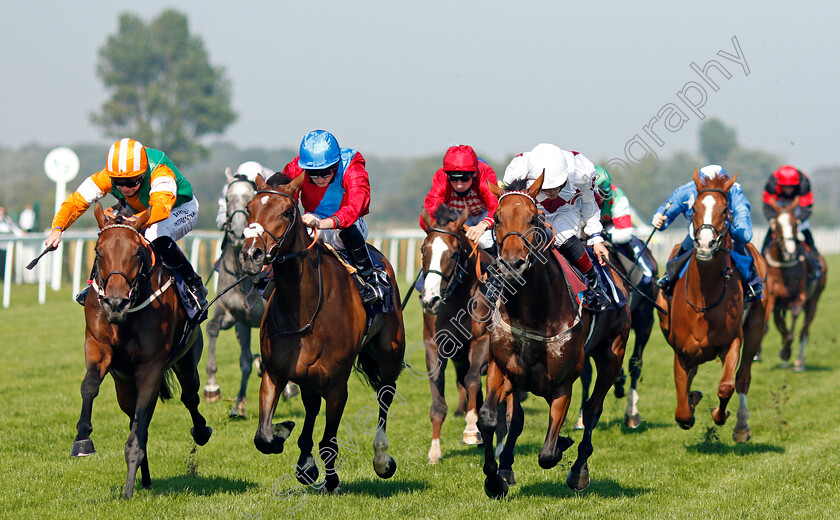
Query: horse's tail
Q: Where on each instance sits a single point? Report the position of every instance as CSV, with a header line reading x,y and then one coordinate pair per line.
x,y
167,384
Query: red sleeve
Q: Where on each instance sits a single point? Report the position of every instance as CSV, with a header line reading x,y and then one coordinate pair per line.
x,y
356,200
486,174
438,194
807,199
767,198
623,222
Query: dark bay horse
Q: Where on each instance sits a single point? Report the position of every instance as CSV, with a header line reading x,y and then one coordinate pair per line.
x,y
707,317
135,321
641,322
449,267
791,285
242,307
537,343
313,331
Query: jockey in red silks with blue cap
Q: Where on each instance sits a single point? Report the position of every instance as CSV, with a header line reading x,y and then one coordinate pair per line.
x,y
682,202
336,197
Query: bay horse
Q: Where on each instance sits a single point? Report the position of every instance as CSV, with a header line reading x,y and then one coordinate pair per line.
x,y
707,317
241,307
790,283
135,325
641,323
450,280
313,331
537,343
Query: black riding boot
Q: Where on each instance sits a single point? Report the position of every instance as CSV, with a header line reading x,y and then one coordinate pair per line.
x,y
813,255
82,296
370,291
175,258
595,298
672,271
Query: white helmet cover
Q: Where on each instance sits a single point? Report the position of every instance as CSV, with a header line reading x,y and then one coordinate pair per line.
x,y
711,171
250,170
552,160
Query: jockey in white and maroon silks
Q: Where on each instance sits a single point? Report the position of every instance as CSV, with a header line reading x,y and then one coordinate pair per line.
x,y
462,184
336,197
567,198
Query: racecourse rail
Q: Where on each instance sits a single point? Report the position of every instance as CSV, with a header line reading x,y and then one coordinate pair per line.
x,y
402,247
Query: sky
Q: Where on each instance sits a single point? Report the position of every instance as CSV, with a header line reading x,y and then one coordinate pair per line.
x,y
407,79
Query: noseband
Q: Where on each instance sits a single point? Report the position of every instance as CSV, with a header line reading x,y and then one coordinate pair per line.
x,y
255,230
717,242
458,271
134,284
530,258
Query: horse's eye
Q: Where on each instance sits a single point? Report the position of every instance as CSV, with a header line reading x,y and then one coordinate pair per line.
x,y
289,213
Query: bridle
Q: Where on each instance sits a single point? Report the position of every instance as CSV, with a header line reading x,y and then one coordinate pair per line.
x,y
530,258
717,241
788,259
134,284
229,220
453,279
255,230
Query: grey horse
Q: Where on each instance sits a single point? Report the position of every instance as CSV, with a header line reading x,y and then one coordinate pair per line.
x,y
242,306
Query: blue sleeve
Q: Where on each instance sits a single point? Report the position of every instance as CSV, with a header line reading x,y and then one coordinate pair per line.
x,y
741,220
679,204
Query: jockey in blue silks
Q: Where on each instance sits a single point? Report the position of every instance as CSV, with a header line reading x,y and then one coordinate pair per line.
x,y
682,202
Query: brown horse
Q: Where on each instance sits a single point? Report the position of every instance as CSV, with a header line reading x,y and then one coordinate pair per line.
x,y
449,266
313,330
791,285
537,343
135,323
707,317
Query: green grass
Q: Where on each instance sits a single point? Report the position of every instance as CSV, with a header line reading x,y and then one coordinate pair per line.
x,y
788,470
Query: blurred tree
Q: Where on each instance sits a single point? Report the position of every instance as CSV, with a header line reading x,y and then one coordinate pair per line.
x,y
716,141
164,91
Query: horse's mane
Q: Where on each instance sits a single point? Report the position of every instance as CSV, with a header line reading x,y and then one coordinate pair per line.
x,y
445,214
278,179
517,185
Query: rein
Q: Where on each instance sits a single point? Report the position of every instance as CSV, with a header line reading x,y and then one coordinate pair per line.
x,y
727,274
458,272
134,284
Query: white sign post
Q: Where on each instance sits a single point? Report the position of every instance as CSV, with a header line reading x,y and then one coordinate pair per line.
x,y
61,166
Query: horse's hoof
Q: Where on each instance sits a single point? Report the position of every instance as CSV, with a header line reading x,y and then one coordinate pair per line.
x,y
757,358
390,469
495,486
716,414
459,413
282,430
259,368
742,435
471,438
784,354
632,421
694,398
618,390
507,474
202,435
579,424
578,481
335,491
798,366
308,473
211,396
237,411
290,391
82,448
686,425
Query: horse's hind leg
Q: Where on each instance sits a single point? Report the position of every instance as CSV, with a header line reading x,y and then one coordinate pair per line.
x,y
335,399
212,392
498,387
127,399
186,370
243,334
585,382
148,383
810,313
753,332
383,464
780,318
97,364
642,326
306,470
726,387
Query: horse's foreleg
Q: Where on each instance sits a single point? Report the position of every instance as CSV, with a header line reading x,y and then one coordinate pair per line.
x,y
780,318
470,376
97,364
436,367
186,370
516,422
554,446
307,469
726,387
335,399
810,313
686,400
498,387
148,383
243,334
754,328
270,438
212,392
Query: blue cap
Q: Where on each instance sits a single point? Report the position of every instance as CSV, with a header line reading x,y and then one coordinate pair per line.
x,y
318,150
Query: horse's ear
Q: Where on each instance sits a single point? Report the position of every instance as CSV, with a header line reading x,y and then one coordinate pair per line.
x,y
296,182
697,182
99,213
141,220
535,188
229,175
495,189
463,218
427,219
730,182
260,182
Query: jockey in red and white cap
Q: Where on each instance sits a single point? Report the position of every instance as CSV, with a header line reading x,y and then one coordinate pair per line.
x,y
462,184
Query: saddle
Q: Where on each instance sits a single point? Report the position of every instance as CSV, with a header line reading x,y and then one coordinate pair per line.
x,y
578,284
386,303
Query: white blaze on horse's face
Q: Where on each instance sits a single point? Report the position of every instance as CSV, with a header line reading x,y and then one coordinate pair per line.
x,y
431,286
264,200
786,225
706,236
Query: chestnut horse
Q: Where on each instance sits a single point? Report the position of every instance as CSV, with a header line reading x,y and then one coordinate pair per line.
x,y
313,331
537,343
134,324
449,266
790,283
707,317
